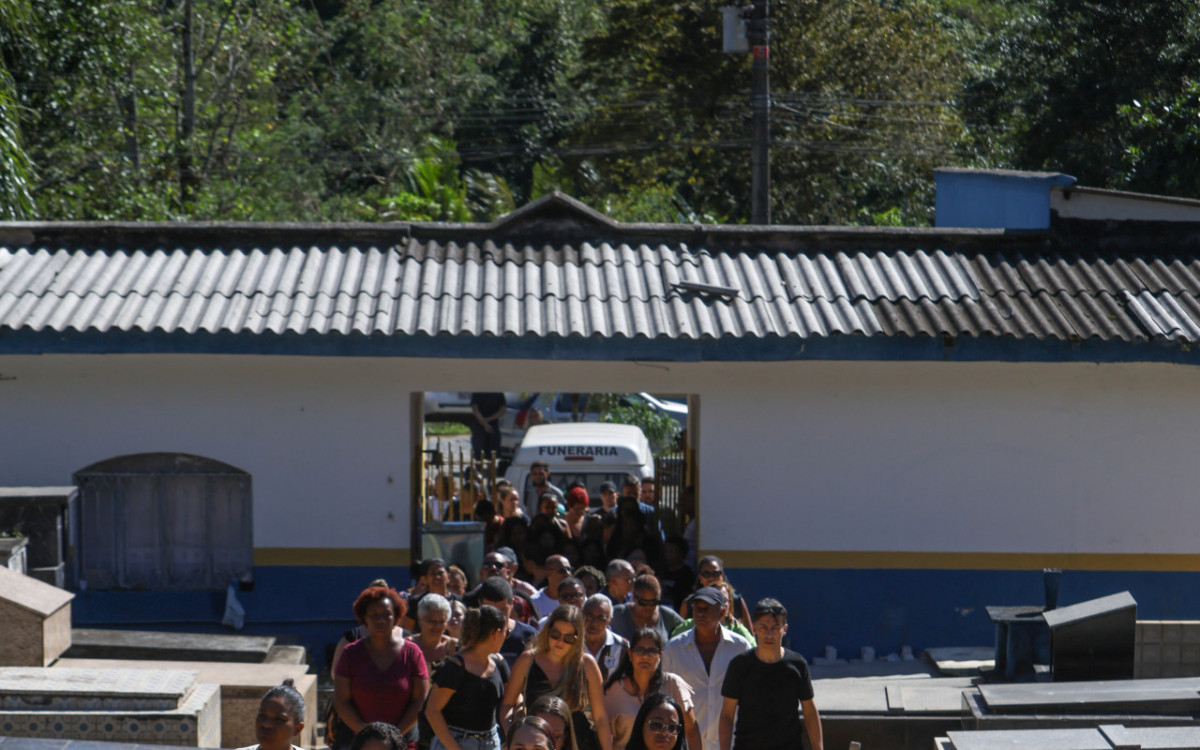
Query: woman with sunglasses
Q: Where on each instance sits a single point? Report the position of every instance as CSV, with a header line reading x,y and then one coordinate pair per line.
x,y
711,570
639,676
658,726
557,664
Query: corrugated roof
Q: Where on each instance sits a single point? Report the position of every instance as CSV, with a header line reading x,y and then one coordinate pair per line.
x,y
469,284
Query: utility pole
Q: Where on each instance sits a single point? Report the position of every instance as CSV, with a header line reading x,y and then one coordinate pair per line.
x,y
758,33
187,120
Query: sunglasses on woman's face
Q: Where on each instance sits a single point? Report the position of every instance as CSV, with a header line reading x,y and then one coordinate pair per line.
x,y
663,727
710,574
647,651
567,638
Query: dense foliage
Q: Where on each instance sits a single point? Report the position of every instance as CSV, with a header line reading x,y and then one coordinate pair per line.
x,y
374,110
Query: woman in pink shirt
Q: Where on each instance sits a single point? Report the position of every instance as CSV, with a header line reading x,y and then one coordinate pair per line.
x,y
381,677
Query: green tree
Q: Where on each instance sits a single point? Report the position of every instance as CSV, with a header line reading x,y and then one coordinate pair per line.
x,y
1052,89
862,109
15,199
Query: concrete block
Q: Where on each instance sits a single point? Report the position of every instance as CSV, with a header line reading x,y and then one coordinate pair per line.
x,y
32,618
1191,632
1190,653
1151,653
1172,632
148,707
242,688
1172,653
1150,631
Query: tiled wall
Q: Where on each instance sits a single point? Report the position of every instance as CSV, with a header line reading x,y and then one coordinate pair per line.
x,y
1167,648
196,723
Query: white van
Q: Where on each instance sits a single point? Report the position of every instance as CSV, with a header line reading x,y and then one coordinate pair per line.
x,y
590,453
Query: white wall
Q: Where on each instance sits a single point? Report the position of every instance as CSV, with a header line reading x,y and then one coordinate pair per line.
x,y
800,456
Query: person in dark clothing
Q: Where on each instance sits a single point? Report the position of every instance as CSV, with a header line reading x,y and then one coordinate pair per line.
x,y
467,690
763,688
486,410
676,577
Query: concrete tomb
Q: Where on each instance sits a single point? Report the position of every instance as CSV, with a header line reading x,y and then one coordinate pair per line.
x,y
163,707
1093,640
88,643
1163,702
35,620
242,689
1104,737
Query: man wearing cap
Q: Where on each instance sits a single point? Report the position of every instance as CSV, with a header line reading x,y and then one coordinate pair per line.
x,y
608,499
702,655
765,689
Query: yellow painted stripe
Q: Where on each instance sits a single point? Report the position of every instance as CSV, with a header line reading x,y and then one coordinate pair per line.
x,y
336,556
873,560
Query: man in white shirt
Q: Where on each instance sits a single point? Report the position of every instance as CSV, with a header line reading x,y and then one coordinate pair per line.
x,y
546,599
701,655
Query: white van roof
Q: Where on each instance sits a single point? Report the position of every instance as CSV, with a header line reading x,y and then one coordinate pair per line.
x,y
596,443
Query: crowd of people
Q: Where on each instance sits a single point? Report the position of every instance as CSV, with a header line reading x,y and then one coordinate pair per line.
x,y
559,649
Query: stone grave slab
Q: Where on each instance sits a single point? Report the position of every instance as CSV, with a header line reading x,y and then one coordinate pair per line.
x,y
860,696
242,689
1030,739
91,643
1151,738
1168,695
164,707
281,654
961,660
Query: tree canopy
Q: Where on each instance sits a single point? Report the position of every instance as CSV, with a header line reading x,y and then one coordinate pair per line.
x,y
373,110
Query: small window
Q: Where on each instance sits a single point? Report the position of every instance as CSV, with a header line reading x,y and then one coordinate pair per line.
x,y
163,521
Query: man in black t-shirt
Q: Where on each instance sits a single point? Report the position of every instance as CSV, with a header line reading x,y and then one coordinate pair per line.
x,y
486,410
765,688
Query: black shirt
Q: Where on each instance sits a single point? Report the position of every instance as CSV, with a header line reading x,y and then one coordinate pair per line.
x,y
475,700
488,403
768,696
516,642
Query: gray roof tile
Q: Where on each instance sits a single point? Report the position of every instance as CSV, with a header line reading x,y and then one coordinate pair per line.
x,y
494,286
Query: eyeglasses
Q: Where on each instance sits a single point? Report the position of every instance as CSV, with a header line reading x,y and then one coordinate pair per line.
x,y
647,651
567,638
663,727
711,573
494,565
646,602
564,570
